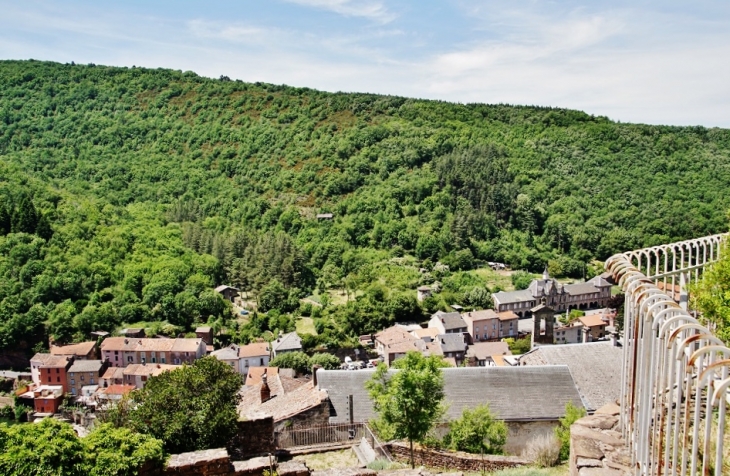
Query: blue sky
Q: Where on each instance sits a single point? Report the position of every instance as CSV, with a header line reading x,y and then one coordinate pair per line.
x,y
658,62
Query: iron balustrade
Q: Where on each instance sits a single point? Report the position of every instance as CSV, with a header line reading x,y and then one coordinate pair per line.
x,y
675,371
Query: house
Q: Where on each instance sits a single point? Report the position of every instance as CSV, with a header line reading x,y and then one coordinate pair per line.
x,y
596,326
256,354
80,351
451,346
113,393
569,333
83,373
595,367
530,400
138,374
427,335
255,374
448,323
290,342
482,325
47,369
47,398
123,351
508,323
229,293
483,354
229,355
136,332
112,376
548,291
393,343
423,293
205,333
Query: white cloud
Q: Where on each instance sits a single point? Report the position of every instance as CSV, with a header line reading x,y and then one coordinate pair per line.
x,y
373,10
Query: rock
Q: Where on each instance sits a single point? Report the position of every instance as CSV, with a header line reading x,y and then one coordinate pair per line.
x,y
345,472
292,468
609,409
251,466
586,448
603,422
588,433
589,463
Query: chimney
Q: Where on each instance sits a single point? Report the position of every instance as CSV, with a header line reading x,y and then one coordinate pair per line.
x,y
586,332
614,338
314,374
265,390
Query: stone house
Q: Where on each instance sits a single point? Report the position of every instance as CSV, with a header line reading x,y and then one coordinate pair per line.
x,y
112,376
483,325
452,346
394,342
423,293
448,323
47,369
596,326
205,333
83,373
290,342
123,351
80,351
486,354
139,374
229,355
256,354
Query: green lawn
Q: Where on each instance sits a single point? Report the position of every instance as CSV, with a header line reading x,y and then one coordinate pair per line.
x,y
305,325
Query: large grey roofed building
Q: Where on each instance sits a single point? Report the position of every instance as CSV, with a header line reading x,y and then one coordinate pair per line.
x,y
513,393
596,368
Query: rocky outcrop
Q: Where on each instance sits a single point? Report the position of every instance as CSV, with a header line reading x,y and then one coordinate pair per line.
x,y
596,446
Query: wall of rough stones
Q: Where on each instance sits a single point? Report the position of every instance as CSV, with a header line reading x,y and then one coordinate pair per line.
x,y
454,460
319,415
217,462
254,438
596,445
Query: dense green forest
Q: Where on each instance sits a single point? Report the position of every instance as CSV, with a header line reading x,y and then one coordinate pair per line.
x,y
126,194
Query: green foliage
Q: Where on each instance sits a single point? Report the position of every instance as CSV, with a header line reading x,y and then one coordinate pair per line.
x,y
519,346
562,431
198,401
711,295
299,361
123,190
410,401
521,279
477,431
327,361
478,298
51,448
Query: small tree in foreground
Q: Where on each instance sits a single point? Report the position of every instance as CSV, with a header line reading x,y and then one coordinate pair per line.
x,y
409,401
572,414
477,432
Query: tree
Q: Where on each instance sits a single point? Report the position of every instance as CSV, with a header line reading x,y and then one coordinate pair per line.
x,y
521,280
518,346
50,448
409,401
25,216
113,451
711,295
478,297
273,296
477,431
299,361
562,431
327,361
198,401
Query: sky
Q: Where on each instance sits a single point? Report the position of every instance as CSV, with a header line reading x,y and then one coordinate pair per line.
x,y
655,62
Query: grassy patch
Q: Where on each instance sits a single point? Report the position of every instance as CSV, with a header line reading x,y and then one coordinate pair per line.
x,y
305,325
330,460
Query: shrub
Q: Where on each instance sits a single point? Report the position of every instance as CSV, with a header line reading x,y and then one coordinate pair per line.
x,y
543,451
562,432
327,361
477,432
299,361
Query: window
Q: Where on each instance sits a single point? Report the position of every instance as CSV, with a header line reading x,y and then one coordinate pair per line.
x,y
72,374
116,352
129,358
73,391
91,382
245,363
73,382
58,379
81,378
477,329
58,370
144,378
262,361
49,379
162,360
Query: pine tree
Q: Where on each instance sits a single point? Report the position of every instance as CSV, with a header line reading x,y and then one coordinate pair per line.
x,y
43,228
25,217
4,220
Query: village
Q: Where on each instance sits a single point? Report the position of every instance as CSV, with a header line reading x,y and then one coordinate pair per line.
x,y
568,361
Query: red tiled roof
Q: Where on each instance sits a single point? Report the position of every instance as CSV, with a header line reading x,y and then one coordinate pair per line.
x,y
118,389
256,349
255,373
80,349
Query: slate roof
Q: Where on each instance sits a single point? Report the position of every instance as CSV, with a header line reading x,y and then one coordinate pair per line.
x,y
284,403
452,320
581,288
595,366
513,393
226,353
55,361
451,342
510,297
290,341
86,366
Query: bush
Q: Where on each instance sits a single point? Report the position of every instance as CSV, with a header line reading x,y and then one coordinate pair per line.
x,y
562,432
299,361
543,451
327,361
477,432
521,280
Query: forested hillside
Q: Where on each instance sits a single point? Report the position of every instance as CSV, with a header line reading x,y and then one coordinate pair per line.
x,y
127,194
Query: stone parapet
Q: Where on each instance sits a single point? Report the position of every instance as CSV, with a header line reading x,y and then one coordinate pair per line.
x,y
596,445
454,460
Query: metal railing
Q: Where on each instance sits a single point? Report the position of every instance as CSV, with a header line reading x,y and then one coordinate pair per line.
x,y
321,435
675,372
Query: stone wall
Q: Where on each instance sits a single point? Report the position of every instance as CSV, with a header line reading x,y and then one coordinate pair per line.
x,y
319,415
254,438
454,460
217,462
596,446
519,434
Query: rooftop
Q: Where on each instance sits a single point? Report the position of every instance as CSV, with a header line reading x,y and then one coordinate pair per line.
x,y
506,316
226,353
56,361
257,349
482,350
452,320
595,366
479,315
149,370
451,342
511,297
288,398
146,344
117,389
113,373
86,366
255,374
593,320
223,287
290,341
80,349
513,393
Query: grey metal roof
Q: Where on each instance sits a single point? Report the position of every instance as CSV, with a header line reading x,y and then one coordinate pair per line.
x,y
513,393
595,366
509,297
86,366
